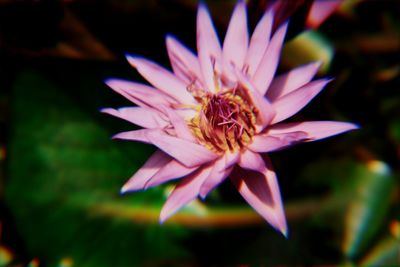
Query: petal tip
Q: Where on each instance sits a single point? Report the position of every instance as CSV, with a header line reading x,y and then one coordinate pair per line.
x,y
284,26
163,216
124,189
132,59
202,194
110,82
161,220
105,110
169,38
354,126
316,64
115,136
285,232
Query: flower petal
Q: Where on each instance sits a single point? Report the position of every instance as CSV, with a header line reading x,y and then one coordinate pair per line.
x,y
291,103
237,37
180,126
142,116
136,135
140,94
269,62
171,170
184,192
161,79
252,161
183,61
188,153
222,168
265,111
320,10
152,165
292,80
259,42
260,189
208,46
268,142
315,129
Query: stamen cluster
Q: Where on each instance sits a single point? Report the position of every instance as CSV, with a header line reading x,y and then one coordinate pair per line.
x,y
226,121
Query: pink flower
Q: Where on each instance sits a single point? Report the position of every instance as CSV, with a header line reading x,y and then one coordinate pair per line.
x,y
213,116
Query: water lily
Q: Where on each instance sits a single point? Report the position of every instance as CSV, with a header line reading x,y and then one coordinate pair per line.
x,y
218,112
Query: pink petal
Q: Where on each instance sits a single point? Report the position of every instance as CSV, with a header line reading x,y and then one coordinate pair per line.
x,y
188,153
222,168
180,125
269,142
140,94
162,79
259,42
292,80
265,111
315,129
152,165
145,117
237,37
172,170
260,189
208,46
267,67
137,135
252,161
291,103
320,11
184,192
183,61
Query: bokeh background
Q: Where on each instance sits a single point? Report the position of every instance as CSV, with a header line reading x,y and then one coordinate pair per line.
x,y
60,174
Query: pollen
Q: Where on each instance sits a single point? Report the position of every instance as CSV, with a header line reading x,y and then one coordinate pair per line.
x,y
225,121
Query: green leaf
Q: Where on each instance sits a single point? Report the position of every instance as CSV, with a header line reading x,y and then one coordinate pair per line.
x,y
370,202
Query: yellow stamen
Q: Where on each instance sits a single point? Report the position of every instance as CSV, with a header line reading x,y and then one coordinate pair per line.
x,y
226,120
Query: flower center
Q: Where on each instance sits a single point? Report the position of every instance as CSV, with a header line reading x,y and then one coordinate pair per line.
x,y
226,120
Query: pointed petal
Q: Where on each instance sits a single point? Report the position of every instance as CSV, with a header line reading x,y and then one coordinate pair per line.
x,y
183,61
208,46
261,191
145,117
269,142
252,161
188,153
180,126
172,170
140,94
152,165
161,79
290,104
237,37
315,129
222,168
292,80
184,192
267,67
320,11
265,111
259,42
137,135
